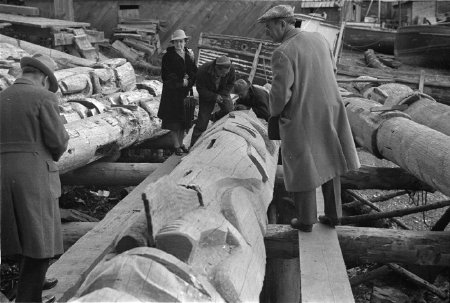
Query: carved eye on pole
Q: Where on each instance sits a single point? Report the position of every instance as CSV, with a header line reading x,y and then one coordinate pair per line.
x,y
244,46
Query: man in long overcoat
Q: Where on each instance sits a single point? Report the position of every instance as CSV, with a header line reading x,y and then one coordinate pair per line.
x,y
32,137
316,141
215,81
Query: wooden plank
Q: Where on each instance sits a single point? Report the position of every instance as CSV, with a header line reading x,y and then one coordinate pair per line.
x,y
19,10
322,269
255,63
421,80
74,265
40,22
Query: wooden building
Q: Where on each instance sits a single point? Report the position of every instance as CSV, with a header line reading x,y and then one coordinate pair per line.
x,y
237,17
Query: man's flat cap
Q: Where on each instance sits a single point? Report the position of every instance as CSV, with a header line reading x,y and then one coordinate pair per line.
x,y
223,60
279,11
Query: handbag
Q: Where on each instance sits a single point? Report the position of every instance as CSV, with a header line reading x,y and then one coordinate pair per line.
x,y
189,109
273,128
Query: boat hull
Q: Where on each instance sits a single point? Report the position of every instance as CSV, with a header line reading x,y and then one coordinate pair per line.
x,y
361,38
424,45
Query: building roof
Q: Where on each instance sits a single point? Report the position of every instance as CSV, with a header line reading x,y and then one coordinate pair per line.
x,y
321,3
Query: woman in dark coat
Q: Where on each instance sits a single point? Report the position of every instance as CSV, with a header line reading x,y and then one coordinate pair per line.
x,y
178,75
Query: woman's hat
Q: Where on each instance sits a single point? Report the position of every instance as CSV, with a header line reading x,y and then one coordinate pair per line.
x,y
46,65
178,35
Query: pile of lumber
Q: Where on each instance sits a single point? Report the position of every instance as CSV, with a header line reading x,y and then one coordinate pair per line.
x,y
73,37
137,40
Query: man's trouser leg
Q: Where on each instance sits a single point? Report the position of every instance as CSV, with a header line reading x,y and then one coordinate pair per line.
x,y
31,279
332,198
306,206
204,114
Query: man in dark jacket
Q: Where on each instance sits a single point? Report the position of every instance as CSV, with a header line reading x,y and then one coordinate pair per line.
x,y
32,137
214,84
252,97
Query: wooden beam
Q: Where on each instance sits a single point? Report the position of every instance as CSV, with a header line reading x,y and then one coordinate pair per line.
x,y
75,264
322,269
19,10
110,174
362,245
255,64
371,177
63,59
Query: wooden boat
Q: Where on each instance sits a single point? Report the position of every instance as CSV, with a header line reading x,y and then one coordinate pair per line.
x,y
424,45
363,36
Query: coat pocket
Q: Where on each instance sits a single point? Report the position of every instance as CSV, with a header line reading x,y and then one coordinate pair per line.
x,y
53,179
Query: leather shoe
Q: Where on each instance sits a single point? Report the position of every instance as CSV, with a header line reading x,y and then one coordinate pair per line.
x,y
295,223
332,222
49,283
48,299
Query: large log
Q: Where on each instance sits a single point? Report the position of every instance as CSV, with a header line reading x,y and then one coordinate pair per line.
x,y
361,245
421,108
75,264
110,174
63,59
371,177
437,86
105,134
420,150
210,212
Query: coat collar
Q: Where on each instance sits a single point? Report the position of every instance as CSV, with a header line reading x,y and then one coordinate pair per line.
x,y
23,81
291,33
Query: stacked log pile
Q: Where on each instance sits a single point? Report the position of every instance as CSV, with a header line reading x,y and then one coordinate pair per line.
x,y
103,110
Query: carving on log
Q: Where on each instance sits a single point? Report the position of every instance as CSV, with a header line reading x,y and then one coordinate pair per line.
x,y
206,212
418,149
105,134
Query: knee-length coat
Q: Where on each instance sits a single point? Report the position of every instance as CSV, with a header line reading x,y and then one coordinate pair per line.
x,y
173,69
32,137
316,139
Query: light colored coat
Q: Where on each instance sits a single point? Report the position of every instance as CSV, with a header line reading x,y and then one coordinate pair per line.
x,y
32,137
317,144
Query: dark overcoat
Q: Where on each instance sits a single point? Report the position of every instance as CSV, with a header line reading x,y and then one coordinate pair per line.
x,y
32,137
173,69
316,140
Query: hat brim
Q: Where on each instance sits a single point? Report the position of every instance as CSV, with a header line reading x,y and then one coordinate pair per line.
x,y
29,61
185,38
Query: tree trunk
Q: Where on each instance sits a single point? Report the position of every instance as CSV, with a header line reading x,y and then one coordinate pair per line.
x,y
63,59
370,177
414,147
105,134
428,112
394,213
361,245
210,212
437,86
109,174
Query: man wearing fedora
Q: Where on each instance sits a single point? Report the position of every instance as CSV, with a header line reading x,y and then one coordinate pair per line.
x,y
215,81
32,137
252,97
316,141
